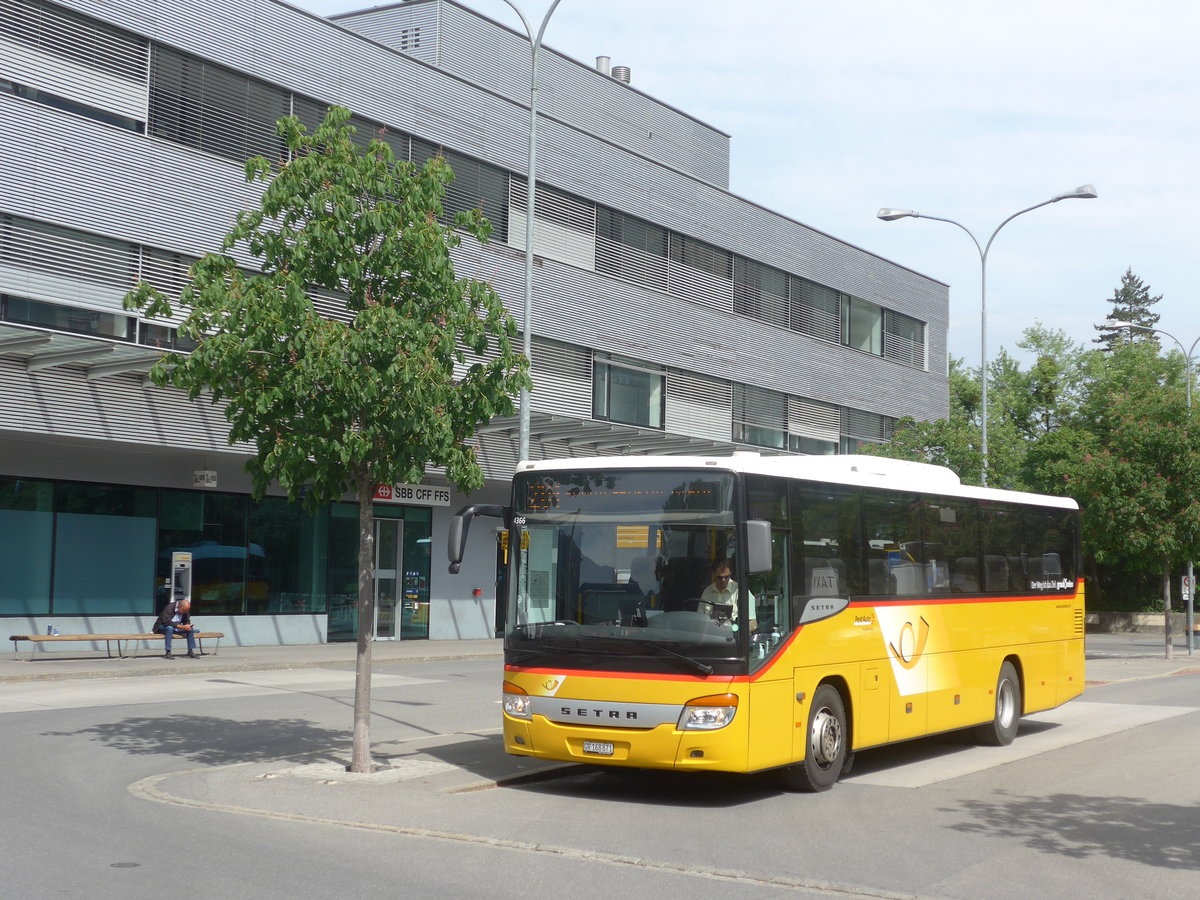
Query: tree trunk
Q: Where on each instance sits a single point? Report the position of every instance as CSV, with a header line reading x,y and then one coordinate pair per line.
x,y
360,760
1166,594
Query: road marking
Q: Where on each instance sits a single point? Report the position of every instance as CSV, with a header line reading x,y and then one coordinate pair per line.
x,y
85,693
1042,732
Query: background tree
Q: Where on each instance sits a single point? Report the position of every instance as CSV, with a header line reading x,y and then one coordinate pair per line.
x,y
1129,461
343,406
1131,302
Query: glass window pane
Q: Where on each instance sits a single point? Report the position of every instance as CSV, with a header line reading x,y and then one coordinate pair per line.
x,y
1050,548
631,396
895,551
26,544
827,544
864,326
952,544
104,550
67,318
342,572
414,616
286,559
1005,566
212,527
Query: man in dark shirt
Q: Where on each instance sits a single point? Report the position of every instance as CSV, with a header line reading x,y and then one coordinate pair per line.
x,y
173,620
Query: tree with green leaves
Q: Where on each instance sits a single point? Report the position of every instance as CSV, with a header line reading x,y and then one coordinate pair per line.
x,y
1129,460
1132,303
339,407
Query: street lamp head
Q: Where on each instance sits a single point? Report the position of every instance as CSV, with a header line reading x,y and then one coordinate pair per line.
x,y
891,215
1115,324
1083,192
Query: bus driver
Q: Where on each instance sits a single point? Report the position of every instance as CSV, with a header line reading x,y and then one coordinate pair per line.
x,y
723,591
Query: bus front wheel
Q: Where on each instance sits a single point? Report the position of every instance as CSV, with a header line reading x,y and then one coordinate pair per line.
x,y
826,750
1007,718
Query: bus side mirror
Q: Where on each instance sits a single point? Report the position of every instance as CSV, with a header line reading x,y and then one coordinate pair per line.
x,y
758,546
456,545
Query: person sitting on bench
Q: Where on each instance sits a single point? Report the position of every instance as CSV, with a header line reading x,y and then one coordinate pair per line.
x,y
174,619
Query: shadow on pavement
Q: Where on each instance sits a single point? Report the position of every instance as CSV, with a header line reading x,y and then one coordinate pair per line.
x,y
214,741
1161,835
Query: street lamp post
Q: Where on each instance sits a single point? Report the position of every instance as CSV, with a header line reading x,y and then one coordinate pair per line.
x,y
1118,325
1083,192
535,46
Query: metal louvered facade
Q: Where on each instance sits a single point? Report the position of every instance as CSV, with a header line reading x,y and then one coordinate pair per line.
x,y
653,283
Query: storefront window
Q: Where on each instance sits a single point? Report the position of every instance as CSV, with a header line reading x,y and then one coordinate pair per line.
x,y
26,544
285,560
212,527
104,550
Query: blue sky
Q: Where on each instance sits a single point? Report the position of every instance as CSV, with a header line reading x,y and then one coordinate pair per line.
x,y
968,111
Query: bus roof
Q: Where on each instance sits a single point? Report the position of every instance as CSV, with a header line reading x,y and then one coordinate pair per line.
x,y
854,470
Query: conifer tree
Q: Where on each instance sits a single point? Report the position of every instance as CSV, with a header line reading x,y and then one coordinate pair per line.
x,y
1131,302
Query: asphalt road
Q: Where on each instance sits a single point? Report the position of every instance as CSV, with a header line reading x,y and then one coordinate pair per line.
x,y
232,785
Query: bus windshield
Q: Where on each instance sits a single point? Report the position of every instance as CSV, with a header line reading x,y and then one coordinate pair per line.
x,y
621,562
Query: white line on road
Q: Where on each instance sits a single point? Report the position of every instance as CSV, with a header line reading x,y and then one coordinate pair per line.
x,y
35,696
1073,723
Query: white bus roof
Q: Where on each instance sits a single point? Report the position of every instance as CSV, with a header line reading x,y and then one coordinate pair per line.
x,y
854,470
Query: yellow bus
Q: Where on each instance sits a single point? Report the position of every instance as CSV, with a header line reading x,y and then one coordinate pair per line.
x,y
751,613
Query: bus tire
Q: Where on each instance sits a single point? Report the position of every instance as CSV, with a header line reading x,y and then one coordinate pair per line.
x,y
826,749
1007,718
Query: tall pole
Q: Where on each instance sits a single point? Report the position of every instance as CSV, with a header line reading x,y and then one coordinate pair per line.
x,y
1083,192
535,46
1116,325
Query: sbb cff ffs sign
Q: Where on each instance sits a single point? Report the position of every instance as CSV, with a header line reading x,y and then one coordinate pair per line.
x,y
419,494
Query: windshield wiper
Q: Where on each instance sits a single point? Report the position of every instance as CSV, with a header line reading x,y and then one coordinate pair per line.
x,y
694,664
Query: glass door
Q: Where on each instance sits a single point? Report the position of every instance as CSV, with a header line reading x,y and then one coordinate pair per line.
x,y
389,537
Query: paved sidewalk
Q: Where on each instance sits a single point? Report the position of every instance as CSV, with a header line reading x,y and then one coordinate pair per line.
x,y
18,666
1110,657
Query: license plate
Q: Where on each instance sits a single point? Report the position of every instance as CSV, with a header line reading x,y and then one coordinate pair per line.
x,y
600,748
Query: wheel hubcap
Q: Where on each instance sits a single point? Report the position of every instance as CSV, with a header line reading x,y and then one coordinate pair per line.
x,y
826,738
1006,704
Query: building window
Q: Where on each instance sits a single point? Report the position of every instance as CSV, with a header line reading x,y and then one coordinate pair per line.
x,y
816,310
903,339
476,185
214,109
759,416
66,104
862,325
26,545
627,391
104,549
76,319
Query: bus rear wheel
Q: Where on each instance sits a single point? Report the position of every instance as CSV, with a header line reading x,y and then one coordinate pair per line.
x,y
826,749
1007,718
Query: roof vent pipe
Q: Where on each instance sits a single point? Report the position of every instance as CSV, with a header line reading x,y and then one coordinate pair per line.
x,y
621,73
604,65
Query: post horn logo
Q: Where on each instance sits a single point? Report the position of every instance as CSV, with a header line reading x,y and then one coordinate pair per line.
x,y
912,643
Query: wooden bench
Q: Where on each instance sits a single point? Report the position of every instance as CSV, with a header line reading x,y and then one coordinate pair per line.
x,y
120,640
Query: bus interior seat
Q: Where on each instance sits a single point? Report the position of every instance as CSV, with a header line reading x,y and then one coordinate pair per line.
x,y
879,580
965,576
814,563
995,573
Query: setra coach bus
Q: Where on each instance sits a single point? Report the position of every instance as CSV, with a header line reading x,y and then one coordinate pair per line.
x,y
751,613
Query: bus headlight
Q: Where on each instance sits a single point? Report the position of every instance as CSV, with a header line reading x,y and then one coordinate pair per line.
x,y
517,703
708,713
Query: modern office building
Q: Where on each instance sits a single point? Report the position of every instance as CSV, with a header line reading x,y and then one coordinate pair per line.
x,y
669,317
